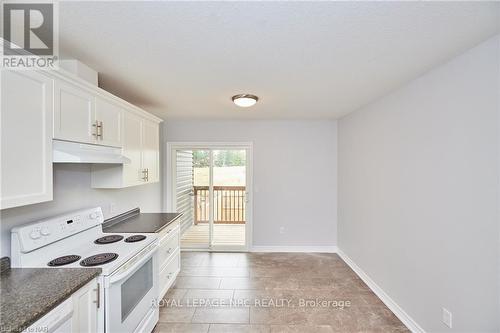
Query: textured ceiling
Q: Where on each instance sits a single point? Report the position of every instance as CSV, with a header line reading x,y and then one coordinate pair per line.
x,y
303,59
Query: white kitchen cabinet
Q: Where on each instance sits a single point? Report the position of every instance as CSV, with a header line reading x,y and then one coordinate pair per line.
x,y
86,304
82,116
108,117
132,148
74,113
151,150
141,144
77,314
26,138
169,258
58,320
169,273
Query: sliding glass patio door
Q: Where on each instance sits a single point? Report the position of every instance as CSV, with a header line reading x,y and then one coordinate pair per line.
x,y
211,191
229,198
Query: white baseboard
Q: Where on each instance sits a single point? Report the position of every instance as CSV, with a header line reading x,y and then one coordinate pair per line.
x,y
311,249
389,302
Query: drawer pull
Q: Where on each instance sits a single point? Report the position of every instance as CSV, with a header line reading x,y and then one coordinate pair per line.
x,y
169,249
98,296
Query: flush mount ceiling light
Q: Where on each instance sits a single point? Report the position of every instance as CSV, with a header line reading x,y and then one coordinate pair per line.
x,y
244,100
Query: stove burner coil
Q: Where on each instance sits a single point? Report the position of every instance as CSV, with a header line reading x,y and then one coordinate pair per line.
x,y
135,238
108,239
64,260
98,259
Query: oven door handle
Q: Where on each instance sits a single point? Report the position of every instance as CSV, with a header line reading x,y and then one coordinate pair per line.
x,y
151,251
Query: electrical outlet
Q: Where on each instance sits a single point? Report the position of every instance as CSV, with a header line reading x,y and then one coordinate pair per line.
x,y
447,317
112,208
282,230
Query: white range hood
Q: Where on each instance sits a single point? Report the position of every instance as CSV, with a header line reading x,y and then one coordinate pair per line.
x,y
72,152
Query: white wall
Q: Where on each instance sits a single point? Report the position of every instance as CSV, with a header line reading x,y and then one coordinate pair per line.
x,y
71,192
294,175
418,192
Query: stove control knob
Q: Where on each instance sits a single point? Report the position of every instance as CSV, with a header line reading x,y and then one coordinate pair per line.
x,y
93,216
35,234
45,231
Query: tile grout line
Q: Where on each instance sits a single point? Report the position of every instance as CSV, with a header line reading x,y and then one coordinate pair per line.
x,y
194,312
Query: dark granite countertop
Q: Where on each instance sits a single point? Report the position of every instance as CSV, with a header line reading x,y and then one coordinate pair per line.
x,y
135,221
27,294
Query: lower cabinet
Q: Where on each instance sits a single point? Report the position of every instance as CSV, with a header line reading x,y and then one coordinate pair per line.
x,y
76,314
169,273
58,320
86,303
169,257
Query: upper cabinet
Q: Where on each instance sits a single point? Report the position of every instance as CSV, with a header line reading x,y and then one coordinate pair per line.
x,y
150,150
26,138
37,107
74,113
81,116
132,148
108,120
141,143
88,115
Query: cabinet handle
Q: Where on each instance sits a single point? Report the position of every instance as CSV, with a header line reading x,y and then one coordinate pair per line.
x,y
170,249
100,129
98,299
96,127
145,175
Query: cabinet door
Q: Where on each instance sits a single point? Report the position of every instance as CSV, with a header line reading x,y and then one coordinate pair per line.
x,y
26,138
74,114
151,150
109,118
168,274
85,308
132,146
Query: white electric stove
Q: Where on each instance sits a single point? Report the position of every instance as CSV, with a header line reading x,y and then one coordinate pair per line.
x,y
129,278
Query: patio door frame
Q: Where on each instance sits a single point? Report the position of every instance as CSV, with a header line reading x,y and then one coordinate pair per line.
x,y
169,184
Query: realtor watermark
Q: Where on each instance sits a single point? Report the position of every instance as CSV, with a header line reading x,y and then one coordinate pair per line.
x,y
258,302
30,35
24,329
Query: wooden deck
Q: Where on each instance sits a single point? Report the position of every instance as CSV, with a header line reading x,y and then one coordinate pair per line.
x,y
224,235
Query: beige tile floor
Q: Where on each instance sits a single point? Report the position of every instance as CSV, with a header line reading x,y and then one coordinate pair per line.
x,y
266,292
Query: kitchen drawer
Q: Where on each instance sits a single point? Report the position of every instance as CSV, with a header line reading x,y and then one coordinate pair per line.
x,y
169,273
168,247
168,230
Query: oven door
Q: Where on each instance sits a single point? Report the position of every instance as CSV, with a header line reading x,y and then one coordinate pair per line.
x,y
131,294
